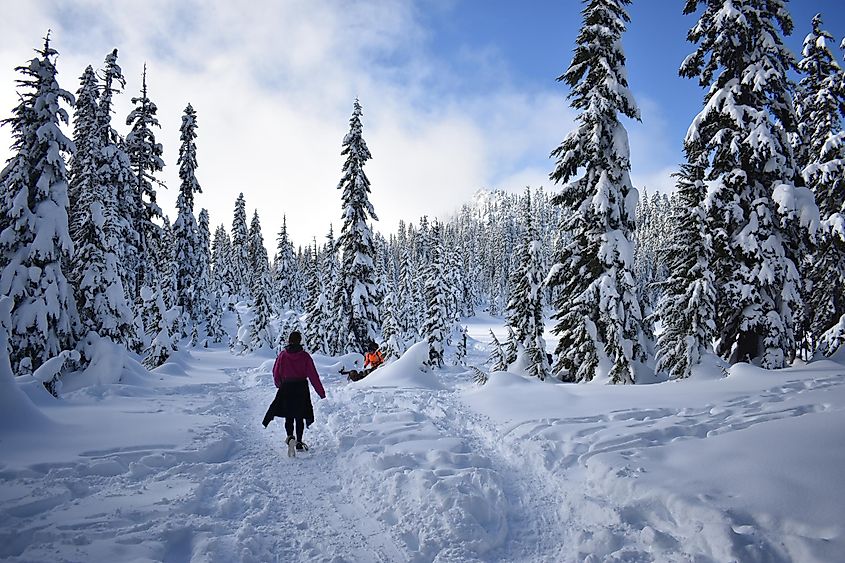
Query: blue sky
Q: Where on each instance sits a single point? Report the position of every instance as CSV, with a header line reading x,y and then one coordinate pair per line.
x,y
529,44
457,95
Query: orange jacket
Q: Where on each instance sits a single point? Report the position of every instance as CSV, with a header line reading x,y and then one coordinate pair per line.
x,y
374,359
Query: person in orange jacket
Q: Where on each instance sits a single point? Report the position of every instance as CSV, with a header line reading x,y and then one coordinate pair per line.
x,y
373,358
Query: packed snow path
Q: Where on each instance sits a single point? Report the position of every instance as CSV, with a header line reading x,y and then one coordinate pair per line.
x,y
413,466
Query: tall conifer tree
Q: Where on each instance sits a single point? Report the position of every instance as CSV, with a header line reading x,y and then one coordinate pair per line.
x,y
185,230
102,237
436,325
84,162
820,146
221,269
239,262
115,176
356,239
597,310
204,286
260,332
145,156
35,243
285,268
165,263
394,343
742,132
687,309
525,305
318,318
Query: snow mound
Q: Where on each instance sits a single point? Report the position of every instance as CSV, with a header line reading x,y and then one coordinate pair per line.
x,y
266,366
346,362
177,364
838,356
407,372
110,364
35,391
501,379
744,369
18,413
711,367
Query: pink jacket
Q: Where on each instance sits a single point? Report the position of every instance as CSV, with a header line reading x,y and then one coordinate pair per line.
x,y
292,366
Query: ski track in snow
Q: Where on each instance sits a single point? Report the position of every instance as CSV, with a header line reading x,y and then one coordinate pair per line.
x,y
393,475
613,521
480,497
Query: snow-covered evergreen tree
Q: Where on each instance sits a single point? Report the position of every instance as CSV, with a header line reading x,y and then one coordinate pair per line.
x,y
285,268
454,278
35,243
356,240
820,148
437,322
221,268
525,305
337,298
687,309
239,259
218,289
185,230
337,328
84,161
408,306
308,274
598,315
166,264
259,264
649,241
460,345
155,312
318,316
145,157
260,332
382,273
203,283
102,237
214,328
511,347
150,314
819,106
497,355
120,207
394,344
742,132
101,297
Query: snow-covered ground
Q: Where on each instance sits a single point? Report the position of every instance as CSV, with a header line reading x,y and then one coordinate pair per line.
x,y
409,465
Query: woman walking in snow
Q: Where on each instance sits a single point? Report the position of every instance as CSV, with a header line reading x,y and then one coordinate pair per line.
x,y
291,373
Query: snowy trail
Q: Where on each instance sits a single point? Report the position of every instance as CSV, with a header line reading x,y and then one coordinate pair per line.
x,y
480,495
533,514
305,501
230,495
264,506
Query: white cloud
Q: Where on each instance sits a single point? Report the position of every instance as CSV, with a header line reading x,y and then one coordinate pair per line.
x,y
657,181
273,84
655,154
533,177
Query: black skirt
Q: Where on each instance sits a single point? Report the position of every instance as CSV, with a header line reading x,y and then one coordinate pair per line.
x,y
293,400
